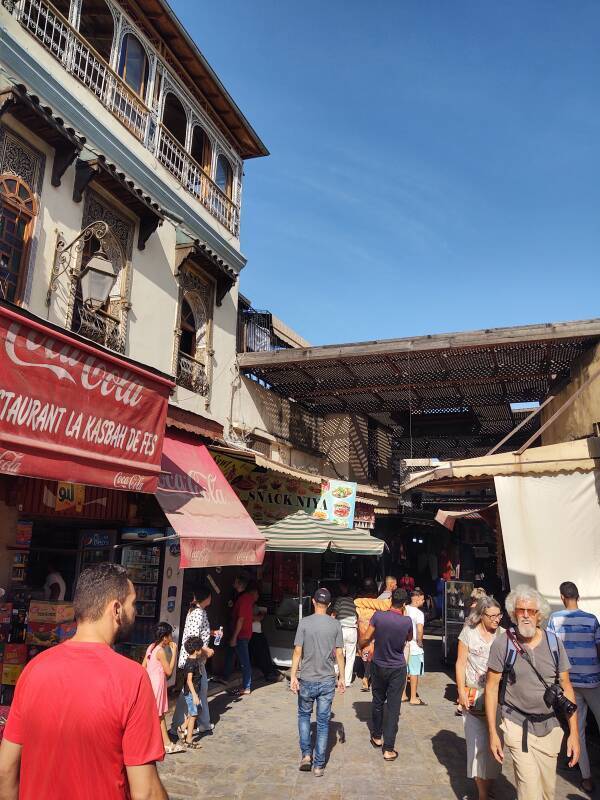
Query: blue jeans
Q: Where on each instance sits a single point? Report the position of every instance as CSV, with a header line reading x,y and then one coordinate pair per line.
x,y
243,654
323,692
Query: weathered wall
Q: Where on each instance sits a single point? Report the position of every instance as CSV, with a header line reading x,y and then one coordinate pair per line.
x,y
577,420
258,411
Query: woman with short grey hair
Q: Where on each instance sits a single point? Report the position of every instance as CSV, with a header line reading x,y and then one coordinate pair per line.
x,y
474,643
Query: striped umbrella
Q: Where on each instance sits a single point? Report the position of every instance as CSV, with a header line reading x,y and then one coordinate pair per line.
x,y
301,533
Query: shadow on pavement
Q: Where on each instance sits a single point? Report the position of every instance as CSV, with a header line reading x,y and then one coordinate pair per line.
x,y
451,751
363,711
337,734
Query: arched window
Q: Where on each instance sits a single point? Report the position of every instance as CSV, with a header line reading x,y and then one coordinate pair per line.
x,y
96,24
224,176
18,208
174,118
187,342
201,148
192,361
133,64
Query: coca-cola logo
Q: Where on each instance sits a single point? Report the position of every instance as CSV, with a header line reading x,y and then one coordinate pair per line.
x,y
69,363
131,482
10,462
197,484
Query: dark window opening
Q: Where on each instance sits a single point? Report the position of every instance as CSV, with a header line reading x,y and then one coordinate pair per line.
x,y
96,25
174,118
133,64
187,341
224,176
201,148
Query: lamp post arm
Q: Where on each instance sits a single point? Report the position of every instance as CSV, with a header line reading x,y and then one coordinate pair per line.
x,y
63,252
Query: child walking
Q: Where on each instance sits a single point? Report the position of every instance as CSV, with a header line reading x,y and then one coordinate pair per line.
x,y
159,669
192,673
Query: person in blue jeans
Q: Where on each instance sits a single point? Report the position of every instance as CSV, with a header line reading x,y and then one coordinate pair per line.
x,y
243,610
318,645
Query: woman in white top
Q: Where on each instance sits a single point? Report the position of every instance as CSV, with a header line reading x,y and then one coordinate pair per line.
x,y
474,642
196,622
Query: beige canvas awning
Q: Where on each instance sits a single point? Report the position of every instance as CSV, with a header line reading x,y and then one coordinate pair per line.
x,y
580,456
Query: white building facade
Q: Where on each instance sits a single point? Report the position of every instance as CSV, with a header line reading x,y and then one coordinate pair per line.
x,y
111,114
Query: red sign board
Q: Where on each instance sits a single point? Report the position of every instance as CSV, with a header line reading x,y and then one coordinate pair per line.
x,y
69,411
214,528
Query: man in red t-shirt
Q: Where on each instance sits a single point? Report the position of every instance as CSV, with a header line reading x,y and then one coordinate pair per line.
x,y
84,723
242,632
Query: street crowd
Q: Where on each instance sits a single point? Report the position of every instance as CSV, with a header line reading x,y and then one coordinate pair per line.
x,y
88,723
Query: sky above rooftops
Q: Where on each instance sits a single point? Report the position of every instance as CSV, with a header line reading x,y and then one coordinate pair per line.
x,y
434,166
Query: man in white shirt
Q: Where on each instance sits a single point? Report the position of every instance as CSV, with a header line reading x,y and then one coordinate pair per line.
x,y
55,587
416,653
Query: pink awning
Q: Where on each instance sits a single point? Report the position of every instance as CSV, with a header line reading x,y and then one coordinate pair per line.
x,y
487,514
214,528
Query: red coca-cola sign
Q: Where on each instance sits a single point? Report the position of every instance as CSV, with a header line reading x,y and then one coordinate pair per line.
x,y
70,411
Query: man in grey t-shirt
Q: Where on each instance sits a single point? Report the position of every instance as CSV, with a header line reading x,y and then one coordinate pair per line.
x,y
318,646
531,731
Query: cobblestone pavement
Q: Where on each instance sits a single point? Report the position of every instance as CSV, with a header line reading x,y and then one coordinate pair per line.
x,y
253,754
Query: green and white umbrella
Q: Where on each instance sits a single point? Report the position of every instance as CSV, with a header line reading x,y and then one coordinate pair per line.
x,y
301,533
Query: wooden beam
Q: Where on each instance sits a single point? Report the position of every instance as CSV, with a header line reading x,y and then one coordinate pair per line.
x,y
416,386
64,155
470,340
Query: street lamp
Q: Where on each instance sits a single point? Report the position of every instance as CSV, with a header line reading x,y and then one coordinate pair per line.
x,y
97,279
98,275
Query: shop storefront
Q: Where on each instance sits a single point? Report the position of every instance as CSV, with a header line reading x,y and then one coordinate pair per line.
x,y
270,492
81,433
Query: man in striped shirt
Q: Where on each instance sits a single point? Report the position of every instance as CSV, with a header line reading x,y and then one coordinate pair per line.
x,y
580,633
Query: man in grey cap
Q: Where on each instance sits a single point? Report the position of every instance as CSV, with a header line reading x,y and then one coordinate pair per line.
x,y
319,644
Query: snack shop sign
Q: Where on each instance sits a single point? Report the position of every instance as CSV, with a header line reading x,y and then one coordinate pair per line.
x,y
268,496
71,412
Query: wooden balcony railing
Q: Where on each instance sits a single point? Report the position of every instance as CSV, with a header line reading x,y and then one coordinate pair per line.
x,y
189,173
79,58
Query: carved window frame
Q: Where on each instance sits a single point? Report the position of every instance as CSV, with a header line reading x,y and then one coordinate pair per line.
x,y
19,158
199,290
97,208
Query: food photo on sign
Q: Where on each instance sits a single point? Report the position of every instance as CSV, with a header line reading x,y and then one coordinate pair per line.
x,y
337,503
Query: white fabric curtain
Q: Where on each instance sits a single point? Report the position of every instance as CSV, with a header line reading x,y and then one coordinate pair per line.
x,y
551,531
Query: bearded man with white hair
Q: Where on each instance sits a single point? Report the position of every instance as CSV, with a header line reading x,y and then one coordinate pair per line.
x,y
527,670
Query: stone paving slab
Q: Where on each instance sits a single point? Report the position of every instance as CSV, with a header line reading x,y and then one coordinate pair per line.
x,y
254,753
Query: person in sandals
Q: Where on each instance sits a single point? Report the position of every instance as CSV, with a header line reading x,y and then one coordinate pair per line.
x,y
192,675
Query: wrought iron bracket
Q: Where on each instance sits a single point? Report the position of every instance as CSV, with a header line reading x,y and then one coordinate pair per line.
x,y
63,254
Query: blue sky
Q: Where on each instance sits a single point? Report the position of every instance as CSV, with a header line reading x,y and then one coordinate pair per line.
x,y
434,165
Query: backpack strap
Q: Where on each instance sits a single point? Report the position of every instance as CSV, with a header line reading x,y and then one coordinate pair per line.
x,y
552,640
510,657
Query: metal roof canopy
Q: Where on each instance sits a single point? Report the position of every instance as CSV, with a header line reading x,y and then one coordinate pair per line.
x,y
445,394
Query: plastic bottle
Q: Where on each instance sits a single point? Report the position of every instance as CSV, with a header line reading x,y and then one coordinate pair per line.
x,y
218,636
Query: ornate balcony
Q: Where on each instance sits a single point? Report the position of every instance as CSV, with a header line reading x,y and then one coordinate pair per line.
x,y
100,327
50,28
189,173
191,374
53,31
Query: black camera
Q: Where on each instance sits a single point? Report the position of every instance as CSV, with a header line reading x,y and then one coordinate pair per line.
x,y
554,697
